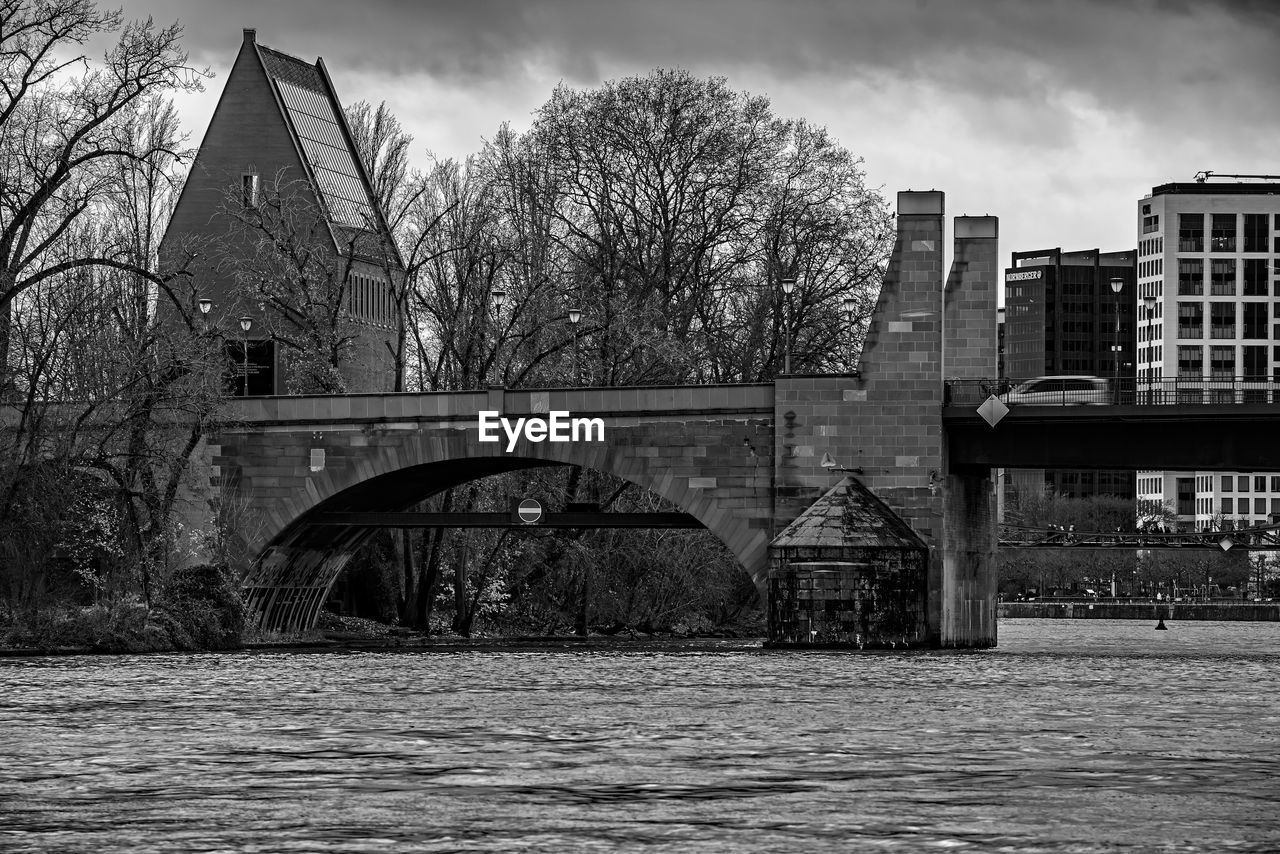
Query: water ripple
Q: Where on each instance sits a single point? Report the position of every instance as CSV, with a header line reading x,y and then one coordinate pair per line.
x,y
1074,736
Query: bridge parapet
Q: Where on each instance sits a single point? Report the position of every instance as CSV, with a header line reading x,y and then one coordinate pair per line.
x,y
463,406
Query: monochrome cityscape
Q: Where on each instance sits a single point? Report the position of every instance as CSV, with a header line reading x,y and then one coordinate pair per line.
x,y
775,427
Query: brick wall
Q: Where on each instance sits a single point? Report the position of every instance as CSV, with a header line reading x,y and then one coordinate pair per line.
x,y
249,134
706,450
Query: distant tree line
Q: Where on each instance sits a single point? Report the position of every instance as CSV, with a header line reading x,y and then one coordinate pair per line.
x,y
1138,574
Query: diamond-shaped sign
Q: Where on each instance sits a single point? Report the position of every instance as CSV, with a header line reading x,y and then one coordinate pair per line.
x,y
992,410
1225,543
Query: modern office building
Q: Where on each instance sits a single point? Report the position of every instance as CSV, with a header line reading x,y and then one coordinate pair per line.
x,y
1209,293
1070,313
279,127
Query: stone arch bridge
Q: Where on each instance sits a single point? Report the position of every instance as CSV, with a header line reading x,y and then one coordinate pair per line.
x,y
744,460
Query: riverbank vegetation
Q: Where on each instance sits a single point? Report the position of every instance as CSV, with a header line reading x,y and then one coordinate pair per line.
x,y
666,209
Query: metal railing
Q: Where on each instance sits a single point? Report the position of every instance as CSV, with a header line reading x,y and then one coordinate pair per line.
x,y
1262,537
1098,391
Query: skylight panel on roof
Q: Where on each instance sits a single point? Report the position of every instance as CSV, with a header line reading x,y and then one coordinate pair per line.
x,y
327,153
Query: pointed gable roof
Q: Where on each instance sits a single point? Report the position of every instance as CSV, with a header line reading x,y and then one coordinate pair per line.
x,y
311,110
849,516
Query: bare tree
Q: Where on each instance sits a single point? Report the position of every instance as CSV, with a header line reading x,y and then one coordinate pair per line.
x,y
281,256
669,207
64,131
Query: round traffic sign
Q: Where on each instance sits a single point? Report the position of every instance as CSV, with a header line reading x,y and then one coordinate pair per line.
x,y
529,511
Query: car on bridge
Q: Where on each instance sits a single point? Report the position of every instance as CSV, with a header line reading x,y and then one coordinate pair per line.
x,y
1060,391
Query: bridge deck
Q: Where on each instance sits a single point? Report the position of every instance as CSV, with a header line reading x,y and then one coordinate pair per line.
x,y
1220,437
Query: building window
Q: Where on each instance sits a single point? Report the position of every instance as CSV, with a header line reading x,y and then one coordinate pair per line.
x,y
1190,362
249,190
1191,320
1223,236
1255,365
1150,223
1256,232
1255,320
1228,505
1222,277
1226,483
1255,277
1260,506
1222,363
1259,485
1190,277
1222,320
1242,484
1190,232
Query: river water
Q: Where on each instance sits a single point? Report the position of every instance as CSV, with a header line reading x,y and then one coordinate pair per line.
x,y
1072,736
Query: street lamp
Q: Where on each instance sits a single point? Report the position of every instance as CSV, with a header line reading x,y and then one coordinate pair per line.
x,y
246,323
788,287
205,305
575,315
1117,285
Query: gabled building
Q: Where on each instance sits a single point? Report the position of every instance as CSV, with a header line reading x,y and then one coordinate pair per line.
x,y
279,124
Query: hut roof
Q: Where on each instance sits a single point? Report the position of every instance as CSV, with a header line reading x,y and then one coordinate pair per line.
x,y
849,516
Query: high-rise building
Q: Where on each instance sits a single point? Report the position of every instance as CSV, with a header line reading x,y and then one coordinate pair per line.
x,y
1070,313
1209,293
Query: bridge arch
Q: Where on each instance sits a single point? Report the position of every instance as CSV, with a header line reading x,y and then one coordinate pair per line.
x,y
298,561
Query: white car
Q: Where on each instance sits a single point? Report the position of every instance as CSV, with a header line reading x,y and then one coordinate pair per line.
x,y
1060,391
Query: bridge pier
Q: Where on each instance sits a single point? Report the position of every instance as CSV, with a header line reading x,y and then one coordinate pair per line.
x,y
887,430
969,577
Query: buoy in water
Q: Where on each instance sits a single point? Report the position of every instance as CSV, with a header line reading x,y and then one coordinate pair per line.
x,y
1161,627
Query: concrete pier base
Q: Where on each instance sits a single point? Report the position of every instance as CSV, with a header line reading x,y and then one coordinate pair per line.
x,y
969,578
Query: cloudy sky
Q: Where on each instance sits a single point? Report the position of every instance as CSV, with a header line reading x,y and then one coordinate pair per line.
x,y
1055,116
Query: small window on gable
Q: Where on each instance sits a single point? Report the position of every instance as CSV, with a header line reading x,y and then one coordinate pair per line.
x,y
249,190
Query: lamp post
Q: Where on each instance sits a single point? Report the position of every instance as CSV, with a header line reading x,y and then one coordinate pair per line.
x,y
246,323
788,287
849,305
1117,285
1150,302
206,305
575,315
499,299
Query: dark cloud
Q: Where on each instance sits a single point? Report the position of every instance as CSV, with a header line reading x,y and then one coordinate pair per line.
x,y
1147,58
1067,107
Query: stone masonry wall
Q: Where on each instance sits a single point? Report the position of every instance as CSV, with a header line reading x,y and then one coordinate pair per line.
x,y
707,450
886,423
969,578
870,598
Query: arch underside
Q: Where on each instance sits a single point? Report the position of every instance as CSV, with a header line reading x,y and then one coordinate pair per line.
x,y
289,583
